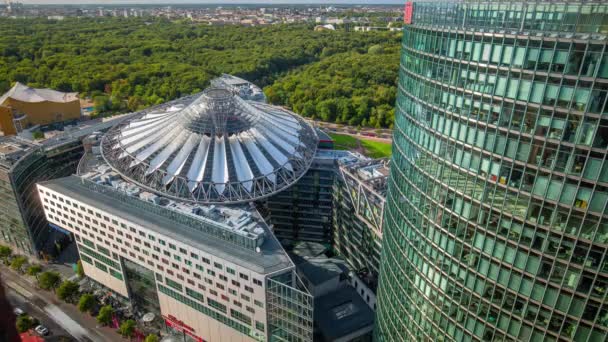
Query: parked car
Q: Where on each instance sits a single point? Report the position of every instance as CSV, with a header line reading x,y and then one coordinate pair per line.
x,y
42,330
18,311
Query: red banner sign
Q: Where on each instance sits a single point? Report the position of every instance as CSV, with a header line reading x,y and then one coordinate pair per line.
x,y
408,12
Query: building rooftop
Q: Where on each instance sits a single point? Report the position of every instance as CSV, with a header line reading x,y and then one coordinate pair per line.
x,y
240,87
218,148
318,270
372,173
23,93
216,230
342,313
12,149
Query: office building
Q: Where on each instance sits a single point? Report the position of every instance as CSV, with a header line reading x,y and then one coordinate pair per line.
x,y
303,212
23,107
495,224
163,214
359,195
23,163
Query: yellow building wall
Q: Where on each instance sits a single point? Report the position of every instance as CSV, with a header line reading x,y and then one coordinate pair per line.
x,y
42,113
6,121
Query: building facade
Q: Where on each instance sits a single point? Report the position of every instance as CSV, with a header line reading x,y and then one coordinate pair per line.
x,y
24,226
23,163
180,267
359,194
304,211
495,227
163,213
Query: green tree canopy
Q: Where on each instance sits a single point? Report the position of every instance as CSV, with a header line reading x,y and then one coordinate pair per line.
x,y
127,328
86,303
33,270
5,253
24,323
105,315
127,64
151,338
67,290
18,263
79,269
49,280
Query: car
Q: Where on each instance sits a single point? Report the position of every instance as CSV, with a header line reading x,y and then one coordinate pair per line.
x,y
18,311
42,330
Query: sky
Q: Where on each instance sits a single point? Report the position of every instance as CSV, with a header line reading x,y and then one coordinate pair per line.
x,y
115,2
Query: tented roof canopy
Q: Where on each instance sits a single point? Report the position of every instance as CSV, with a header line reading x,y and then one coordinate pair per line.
x,y
219,148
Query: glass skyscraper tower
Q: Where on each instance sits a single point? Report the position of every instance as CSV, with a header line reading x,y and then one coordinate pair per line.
x,y
496,226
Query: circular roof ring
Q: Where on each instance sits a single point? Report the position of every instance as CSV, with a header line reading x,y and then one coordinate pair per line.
x,y
219,148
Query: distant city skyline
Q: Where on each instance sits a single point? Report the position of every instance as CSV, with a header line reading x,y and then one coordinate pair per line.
x,y
214,2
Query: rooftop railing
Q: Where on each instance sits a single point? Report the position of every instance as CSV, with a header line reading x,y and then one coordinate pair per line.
x,y
201,224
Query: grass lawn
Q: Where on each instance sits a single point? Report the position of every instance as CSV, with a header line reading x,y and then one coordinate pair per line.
x,y
372,148
376,149
344,142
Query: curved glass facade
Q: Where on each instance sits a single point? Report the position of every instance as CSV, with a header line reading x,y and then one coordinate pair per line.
x,y
496,226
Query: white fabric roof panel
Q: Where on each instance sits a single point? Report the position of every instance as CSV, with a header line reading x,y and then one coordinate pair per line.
x,y
247,143
23,93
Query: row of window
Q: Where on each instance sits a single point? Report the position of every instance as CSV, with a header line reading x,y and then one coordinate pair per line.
x,y
213,314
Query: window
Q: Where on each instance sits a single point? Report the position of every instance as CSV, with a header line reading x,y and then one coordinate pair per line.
x,y
245,297
194,256
219,286
223,277
257,282
162,242
250,309
259,326
237,303
206,261
194,294
218,306
258,303
243,276
172,246
232,292
210,272
240,316
173,284
249,289
217,265
236,283
183,251
177,257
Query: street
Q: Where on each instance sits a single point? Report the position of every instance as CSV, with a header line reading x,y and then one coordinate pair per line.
x,y
62,319
57,333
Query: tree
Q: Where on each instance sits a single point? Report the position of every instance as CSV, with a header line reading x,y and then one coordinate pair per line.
x,y
79,269
33,270
18,263
127,328
5,253
38,135
67,290
86,302
105,315
375,49
151,338
24,323
49,280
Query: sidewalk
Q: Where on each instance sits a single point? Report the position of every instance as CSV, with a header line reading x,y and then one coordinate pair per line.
x,y
81,326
